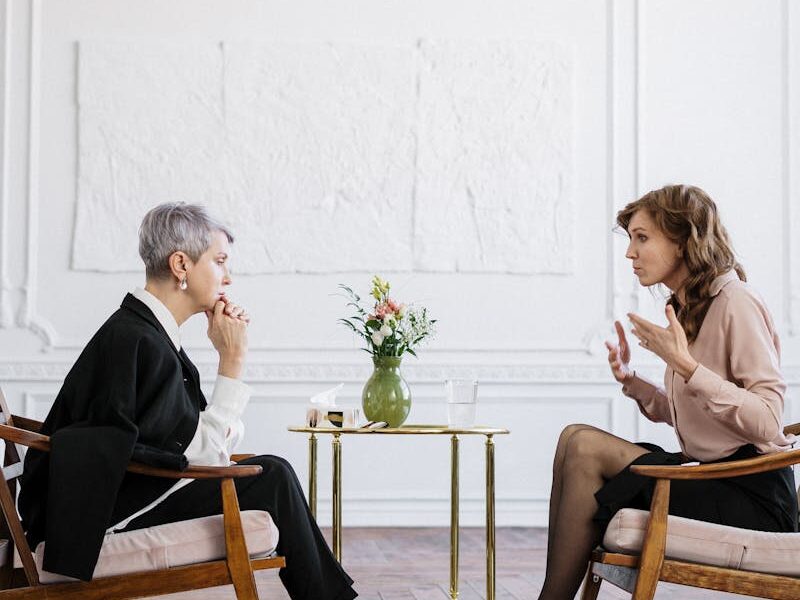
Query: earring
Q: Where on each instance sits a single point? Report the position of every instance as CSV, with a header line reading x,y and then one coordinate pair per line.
x,y
183,285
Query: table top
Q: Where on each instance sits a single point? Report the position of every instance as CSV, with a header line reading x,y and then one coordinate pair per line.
x,y
411,429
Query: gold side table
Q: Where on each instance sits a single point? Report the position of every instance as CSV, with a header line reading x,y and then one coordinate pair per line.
x,y
337,433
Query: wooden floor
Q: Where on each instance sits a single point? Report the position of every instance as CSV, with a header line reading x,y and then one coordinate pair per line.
x,y
413,564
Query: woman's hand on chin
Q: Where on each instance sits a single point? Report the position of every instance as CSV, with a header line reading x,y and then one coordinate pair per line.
x,y
228,334
234,310
668,343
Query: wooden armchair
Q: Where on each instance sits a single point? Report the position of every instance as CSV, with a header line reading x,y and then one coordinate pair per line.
x,y
235,567
640,573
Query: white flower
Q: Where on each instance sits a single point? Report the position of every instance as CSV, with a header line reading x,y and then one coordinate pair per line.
x,y
385,331
377,338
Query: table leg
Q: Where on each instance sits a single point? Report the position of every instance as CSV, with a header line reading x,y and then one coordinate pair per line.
x,y
490,559
454,517
337,497
312,474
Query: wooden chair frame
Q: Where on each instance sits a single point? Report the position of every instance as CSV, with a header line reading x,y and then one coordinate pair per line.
x,y
641,574
18,584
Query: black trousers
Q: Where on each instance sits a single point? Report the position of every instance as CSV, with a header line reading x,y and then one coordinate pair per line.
x,y
311,572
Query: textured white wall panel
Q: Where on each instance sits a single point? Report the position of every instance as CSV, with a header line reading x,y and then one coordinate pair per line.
x,y
494,164
306,147
321,172
333,157
151,123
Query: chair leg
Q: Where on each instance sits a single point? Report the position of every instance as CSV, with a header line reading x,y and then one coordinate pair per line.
x,y
238,559
655,543
591,584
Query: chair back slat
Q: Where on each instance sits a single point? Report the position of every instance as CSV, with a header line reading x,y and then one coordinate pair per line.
x,y
8,489
6,418
26,423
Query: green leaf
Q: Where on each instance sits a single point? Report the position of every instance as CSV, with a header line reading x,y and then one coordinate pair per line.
x,y
347,323
350,292
373,323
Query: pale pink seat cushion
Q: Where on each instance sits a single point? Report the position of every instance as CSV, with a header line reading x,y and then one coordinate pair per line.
x,y
707,543
173,545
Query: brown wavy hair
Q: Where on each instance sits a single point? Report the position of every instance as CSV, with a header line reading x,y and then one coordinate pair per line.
x,y
689,218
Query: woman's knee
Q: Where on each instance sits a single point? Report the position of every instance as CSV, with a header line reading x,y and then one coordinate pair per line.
x,y
600,451
569,431
585,443
273,465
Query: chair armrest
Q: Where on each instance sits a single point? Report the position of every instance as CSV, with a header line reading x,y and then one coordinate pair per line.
x,y
197,471
734,468
792,429
26,438
42,442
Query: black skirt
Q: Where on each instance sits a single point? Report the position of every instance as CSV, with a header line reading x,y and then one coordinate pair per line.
x,y
761,501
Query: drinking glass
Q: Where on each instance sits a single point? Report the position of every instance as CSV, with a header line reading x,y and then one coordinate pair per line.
x,y
462,395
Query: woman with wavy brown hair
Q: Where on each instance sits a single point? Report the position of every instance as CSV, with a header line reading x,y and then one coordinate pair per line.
x,y
723,392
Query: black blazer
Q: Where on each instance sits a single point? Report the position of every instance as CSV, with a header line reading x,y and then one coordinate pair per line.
x,y
130,396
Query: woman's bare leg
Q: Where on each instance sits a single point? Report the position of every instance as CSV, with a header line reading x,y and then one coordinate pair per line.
x,y
590,457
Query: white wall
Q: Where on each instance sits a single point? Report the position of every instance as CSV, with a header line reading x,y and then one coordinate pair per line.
x,y
643,94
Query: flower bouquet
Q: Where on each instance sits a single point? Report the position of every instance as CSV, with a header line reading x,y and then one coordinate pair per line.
x,y
390,329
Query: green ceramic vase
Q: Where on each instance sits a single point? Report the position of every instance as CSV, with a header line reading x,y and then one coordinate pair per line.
x,y
386,396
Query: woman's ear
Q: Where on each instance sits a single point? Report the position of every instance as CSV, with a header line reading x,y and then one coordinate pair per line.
x,y
179,265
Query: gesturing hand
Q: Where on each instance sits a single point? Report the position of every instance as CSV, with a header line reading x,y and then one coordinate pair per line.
x,y
619,356
668,343
228,334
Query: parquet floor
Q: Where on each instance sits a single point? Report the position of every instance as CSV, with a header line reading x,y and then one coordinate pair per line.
x,y
413,564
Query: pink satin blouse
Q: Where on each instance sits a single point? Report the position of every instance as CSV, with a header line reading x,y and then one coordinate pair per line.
x,y
735,397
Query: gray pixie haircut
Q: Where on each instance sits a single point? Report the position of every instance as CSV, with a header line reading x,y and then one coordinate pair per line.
x,y
173,227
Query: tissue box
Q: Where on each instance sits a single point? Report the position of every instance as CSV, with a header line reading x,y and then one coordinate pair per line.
x,y
335,417
343,417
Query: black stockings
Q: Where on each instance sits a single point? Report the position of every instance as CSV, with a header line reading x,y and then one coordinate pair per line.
x,y
585,458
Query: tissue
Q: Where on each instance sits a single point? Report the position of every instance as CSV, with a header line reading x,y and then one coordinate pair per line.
x,y
323,407
320,404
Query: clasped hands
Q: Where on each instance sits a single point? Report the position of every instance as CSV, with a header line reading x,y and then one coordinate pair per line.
x,y
668,343
227,330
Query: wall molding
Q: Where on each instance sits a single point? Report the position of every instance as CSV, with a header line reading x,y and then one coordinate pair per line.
x,y
29,317
790,19
296,372
267,372
348,347
6,318
22,61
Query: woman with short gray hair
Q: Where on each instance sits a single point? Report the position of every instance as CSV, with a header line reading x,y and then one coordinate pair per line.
x,y
134,394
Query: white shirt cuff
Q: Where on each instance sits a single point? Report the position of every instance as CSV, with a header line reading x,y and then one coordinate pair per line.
x,y
230,398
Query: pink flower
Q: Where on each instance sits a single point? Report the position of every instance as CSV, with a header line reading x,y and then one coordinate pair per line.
x,y
385,309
